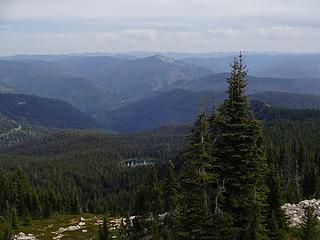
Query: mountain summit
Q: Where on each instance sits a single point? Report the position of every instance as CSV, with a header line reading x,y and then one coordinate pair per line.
x,y
135,78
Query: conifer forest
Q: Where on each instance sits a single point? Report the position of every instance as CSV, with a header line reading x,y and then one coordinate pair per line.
x,y
225,177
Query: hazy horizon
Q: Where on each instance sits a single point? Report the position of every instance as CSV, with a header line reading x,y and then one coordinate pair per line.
x,y
151,53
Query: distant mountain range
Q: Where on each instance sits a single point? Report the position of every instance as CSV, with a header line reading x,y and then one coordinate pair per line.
x,y
138,77
298,66
95,68
269,64
90,83
145,90
49,80
98,82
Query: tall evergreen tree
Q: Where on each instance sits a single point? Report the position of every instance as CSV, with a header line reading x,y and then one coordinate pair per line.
x,y
240,156
222,222
152,193
27,220
47,209
75,203
276,220
153,202
148,206
13,218
197,179
170,193
170,188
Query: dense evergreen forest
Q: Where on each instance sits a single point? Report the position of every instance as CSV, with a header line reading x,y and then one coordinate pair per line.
x,y
223,178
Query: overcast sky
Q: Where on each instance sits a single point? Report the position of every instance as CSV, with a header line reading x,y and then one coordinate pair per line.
x,y
64,26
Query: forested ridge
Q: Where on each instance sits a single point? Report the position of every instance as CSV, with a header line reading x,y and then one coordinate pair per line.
x,y
43,111
226,180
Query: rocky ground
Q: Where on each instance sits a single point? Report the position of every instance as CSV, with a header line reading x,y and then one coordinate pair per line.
x,y
295,212
64,227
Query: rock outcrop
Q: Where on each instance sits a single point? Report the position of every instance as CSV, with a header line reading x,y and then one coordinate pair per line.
x,y
23,236
295,212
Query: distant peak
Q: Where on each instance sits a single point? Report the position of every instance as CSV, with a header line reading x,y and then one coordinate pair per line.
x,y
164,58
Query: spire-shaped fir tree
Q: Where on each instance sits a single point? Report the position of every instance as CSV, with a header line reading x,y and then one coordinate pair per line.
x,y
242,165
197,179
149,206
276,219
170,188
170,194
152,193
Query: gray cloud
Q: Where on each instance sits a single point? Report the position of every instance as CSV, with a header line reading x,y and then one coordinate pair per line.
x,y
35,26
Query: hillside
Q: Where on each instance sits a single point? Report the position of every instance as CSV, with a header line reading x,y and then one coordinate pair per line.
x,y
217,83
94,68
138,77
266,113
94,82
41,111
91,83
165,108
180,106
14,132
46,79
288,100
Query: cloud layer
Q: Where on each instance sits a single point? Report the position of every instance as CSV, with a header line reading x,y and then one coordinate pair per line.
x,y
46,26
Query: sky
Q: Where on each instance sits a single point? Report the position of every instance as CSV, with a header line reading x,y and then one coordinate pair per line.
x,y
75,26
